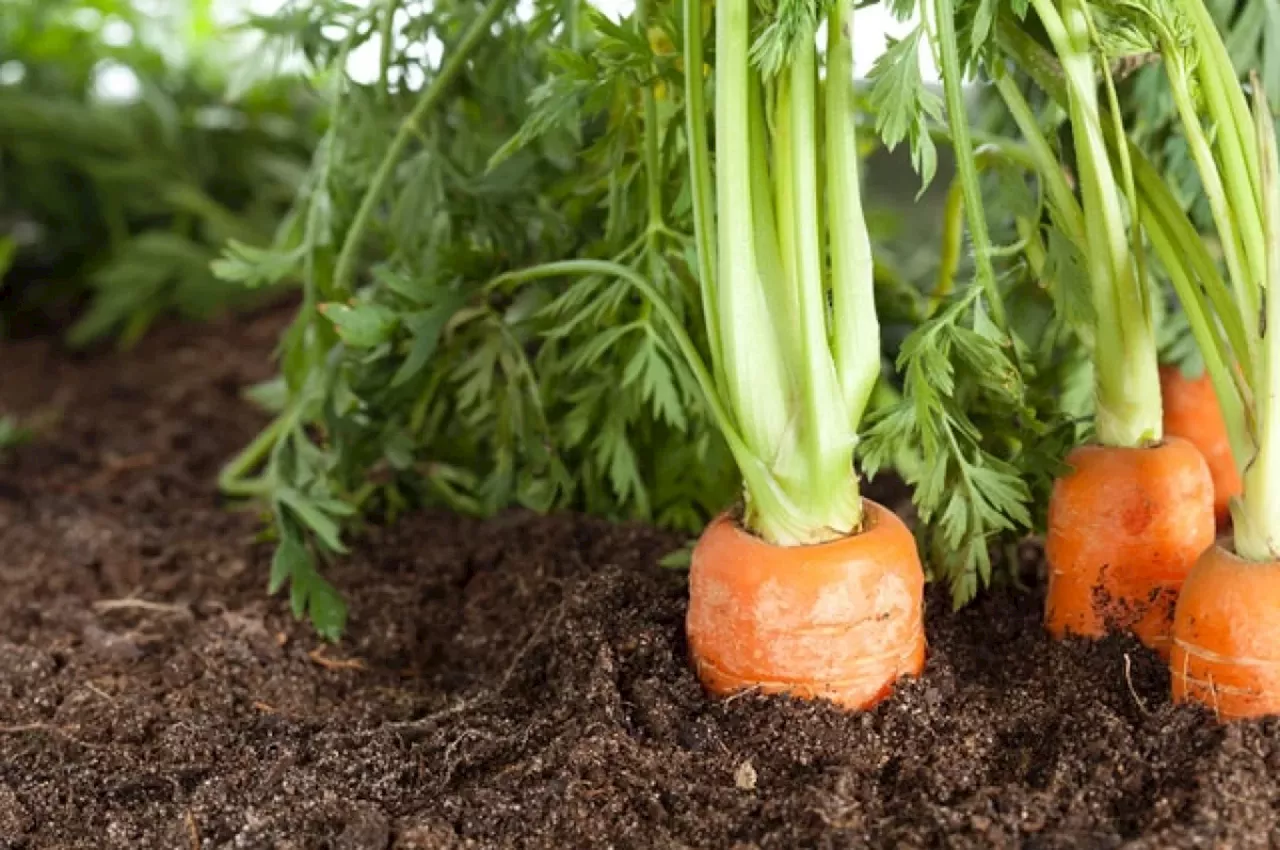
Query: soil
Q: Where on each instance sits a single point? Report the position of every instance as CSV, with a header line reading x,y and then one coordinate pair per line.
x,y
513,683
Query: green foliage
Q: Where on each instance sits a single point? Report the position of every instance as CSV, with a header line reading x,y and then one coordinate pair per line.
x,y
993,414
994,386
1251,32
789,24
434,360
116,201
439,374
451,369
308,591
903,105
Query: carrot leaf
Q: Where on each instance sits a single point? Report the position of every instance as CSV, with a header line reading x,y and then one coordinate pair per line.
x,y
902,104
966,494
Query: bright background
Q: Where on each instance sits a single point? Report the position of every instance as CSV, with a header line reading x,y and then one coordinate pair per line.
x,y
871,26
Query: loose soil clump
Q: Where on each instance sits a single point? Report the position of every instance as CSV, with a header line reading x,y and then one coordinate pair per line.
x,y
513,683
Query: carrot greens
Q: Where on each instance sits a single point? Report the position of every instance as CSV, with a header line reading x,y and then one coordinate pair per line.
x,y
471,334
982,385
126,164
793,388
633,266
511,278
781,362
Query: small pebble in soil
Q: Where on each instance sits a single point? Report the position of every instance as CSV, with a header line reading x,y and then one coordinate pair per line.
x,y
745,776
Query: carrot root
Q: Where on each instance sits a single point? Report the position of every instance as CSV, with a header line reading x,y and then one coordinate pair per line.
x,y
1226,637
841,621
1191,411
1125,527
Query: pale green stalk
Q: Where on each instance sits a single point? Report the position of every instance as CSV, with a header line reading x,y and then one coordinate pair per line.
x,y
1256,514
792,382
1229,111
1046,162
966,168
1220,324
750,352
1169,243
755,309
789,239
854,324
950,249
826,433
1174,242
1128,406
1225,213
1202,292
1121,153
700,177
1187,254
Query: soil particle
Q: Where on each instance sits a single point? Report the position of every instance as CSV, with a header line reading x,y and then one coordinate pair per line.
x,y
517,683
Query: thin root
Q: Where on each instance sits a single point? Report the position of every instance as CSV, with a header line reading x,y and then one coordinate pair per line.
x,y
478,699
133,604
739,694
1128,678
318,656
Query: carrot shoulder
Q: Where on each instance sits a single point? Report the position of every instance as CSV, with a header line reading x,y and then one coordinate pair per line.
x,y
839,620
1125,527
1191,411
1226,636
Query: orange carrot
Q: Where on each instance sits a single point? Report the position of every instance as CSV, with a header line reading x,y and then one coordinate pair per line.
x,y
839,620
1125,527
1226,636
1191,411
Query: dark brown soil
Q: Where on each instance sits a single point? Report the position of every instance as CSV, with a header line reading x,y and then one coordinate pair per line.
x,y
519,683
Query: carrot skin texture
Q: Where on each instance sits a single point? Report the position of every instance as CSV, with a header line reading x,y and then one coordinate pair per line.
x,y
1226,637
1126,525
841,620
1191,411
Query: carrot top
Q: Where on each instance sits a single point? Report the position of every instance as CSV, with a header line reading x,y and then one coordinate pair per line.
x,y
1233,147
1096,214
1234,150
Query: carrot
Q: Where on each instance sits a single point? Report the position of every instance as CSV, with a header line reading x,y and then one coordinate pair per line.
x,y
1191,411
815,591
1226,636
1125,527
840,620
1226,633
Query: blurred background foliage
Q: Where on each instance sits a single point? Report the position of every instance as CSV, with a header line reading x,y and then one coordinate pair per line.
x,y
130,151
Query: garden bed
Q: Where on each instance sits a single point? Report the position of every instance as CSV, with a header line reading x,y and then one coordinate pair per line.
x,y
517,683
